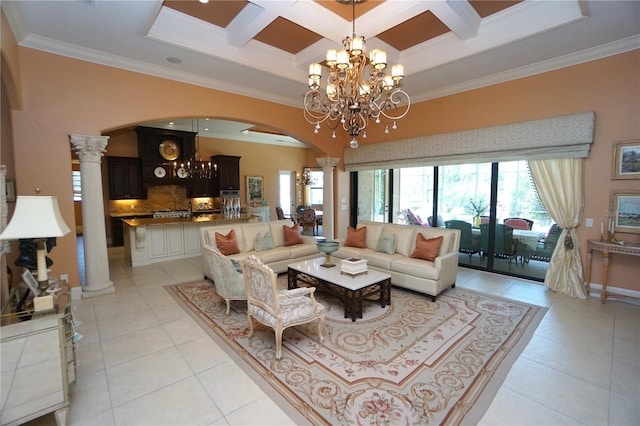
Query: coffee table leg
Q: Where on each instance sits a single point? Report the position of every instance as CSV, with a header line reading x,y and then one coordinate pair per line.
x,y
385,293
351,305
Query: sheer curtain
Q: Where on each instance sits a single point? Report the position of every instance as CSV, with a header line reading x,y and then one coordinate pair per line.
x,y
559,183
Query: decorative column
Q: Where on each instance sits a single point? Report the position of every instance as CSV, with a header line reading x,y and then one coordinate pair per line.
x,y
327,164
90,150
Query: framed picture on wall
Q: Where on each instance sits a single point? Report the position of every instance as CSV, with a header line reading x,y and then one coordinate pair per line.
x,y
626,160
625,211
254,189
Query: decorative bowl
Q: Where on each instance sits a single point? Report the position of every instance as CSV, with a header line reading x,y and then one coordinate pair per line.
x,y
328,247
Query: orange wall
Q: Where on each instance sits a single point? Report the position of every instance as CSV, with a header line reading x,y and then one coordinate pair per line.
x,y
63,96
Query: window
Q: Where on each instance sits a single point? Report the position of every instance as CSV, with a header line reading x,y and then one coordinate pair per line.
x,y
316,187
77,185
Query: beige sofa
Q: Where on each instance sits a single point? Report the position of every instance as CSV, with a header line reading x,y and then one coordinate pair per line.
x,y
414,274
277,258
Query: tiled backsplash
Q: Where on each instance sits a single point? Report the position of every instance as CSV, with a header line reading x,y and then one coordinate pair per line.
x,y
163,197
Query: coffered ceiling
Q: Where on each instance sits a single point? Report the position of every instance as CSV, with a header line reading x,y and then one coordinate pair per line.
x,y
262,48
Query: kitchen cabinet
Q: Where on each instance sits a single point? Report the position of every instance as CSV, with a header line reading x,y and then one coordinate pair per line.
x,y
125,178
201,188
162,152
227,173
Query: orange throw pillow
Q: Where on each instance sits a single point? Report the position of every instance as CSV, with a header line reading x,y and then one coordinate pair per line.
x,y
427,249
356,237
227,244
292,235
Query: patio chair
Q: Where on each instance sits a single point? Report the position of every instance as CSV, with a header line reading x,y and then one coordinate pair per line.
x,y
545,249
277,309
505,246
439,223
468,244
414,219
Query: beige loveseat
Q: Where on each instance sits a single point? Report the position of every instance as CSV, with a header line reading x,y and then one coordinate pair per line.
x,y
429,277
277,258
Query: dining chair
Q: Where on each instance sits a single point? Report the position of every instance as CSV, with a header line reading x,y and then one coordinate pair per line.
x,y
519,223
275,309
308,221
279,213
505,247
468,244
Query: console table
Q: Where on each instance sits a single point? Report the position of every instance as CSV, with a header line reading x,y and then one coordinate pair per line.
x,y
606,248
38,365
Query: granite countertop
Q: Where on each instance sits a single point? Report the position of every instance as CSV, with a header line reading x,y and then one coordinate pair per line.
x,y
213,219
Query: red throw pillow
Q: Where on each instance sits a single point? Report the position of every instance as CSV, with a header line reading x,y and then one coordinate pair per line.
x,y
427,249
292,235
227,244
356,237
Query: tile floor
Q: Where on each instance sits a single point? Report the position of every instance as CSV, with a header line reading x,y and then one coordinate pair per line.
x,y
143,361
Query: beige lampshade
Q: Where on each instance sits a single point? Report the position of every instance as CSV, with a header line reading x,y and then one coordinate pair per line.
x,y
35,217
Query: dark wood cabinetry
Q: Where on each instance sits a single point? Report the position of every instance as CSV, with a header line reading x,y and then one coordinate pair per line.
x,y
125,178
166,149
227,173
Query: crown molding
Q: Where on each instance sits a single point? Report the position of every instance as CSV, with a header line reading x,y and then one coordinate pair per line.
x,y
587,55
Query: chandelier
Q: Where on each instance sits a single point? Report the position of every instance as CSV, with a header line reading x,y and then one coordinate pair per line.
x,y
358,90
197,168
306,178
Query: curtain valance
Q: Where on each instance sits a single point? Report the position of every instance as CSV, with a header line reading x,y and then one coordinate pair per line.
x,y
568,136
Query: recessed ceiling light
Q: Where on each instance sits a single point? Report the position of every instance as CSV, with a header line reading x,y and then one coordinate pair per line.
x,y
206,129
174,60
171,123
204,1
245,131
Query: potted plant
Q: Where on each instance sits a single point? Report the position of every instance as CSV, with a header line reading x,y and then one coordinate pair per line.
x,y
477,208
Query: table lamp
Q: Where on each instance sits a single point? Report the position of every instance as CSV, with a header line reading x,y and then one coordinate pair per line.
x,y
36,217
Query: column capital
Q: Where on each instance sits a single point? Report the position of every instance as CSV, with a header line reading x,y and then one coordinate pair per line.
x,y
327,162
89,148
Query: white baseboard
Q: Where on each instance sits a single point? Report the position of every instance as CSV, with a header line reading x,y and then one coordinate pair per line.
x,y
612,292
76,293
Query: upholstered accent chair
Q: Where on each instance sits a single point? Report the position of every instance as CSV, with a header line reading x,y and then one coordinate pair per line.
x,y
468,244
279,213
519,223
278,309
227,279
505,246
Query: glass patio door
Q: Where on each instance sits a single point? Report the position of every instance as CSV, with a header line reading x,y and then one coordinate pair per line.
x,y
373,195
464,202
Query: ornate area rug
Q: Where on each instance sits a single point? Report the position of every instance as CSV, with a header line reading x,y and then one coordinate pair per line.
x,y
415,362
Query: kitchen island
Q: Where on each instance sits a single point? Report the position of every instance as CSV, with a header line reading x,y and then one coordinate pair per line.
x,y
153,240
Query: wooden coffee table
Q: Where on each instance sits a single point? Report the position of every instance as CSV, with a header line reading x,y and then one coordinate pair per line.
x,y
351,290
